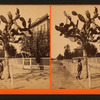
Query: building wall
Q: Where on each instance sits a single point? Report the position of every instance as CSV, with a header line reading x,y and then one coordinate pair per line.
x,y
44,26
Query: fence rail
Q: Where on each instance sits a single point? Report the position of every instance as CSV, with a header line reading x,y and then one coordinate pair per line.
x,y
72,65
22,62
94,61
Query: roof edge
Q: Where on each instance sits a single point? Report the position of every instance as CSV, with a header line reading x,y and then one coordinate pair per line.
x,y
40,20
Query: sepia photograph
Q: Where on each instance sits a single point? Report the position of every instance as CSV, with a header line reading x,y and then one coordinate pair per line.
x,y
75,47
24,47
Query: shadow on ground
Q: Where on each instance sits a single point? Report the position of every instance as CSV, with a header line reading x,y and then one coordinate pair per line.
x,y
33,74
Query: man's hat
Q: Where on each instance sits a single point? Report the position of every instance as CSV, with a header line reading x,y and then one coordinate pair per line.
x,y
79,60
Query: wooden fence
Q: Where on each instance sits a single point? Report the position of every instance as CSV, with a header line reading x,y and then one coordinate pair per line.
x,y
93,69
94,61
27,62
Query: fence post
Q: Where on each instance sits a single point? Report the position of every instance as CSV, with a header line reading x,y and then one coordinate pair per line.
x,y
96,61
73,68
89,76
23,63
68,66
31,63
11,73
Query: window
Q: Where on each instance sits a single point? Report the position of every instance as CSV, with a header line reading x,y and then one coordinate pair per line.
x,y
44,27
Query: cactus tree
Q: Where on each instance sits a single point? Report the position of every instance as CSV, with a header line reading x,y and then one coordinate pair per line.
x,y
10,32
90,31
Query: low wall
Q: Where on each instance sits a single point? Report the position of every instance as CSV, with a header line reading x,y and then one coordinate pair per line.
x,y
94,61
22,62
72,66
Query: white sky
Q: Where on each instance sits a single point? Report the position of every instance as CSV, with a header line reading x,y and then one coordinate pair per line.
x,y
57,16
26,11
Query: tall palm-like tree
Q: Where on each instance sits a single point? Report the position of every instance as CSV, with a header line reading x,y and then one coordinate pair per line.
x,y
12,33
90,32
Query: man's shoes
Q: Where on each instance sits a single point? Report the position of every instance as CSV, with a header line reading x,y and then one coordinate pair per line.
x,y
79,78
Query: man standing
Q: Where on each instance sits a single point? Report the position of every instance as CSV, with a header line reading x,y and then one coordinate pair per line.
x,y
79,69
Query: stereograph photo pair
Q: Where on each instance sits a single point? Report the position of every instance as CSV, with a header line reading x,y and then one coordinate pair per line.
x,y
49,47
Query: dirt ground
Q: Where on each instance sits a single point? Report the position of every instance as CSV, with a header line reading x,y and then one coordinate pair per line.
x,y
61,78
28,79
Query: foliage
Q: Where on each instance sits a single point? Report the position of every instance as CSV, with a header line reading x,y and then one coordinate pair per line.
x,y
76,53
39,45
1,53
21,55
98,55
11,50
28,45
44,43
67,53
60,57
91,50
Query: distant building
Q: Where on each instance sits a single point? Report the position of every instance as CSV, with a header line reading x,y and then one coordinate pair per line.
x,y
41,24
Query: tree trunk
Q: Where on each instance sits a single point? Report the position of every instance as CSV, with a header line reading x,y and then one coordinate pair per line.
x,y
37,52
6,66
85,61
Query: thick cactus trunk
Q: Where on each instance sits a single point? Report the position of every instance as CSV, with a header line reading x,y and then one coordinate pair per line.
x,y
6,66
85,61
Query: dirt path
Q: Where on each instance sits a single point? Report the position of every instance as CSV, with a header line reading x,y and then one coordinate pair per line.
x,y
28,79
62,79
